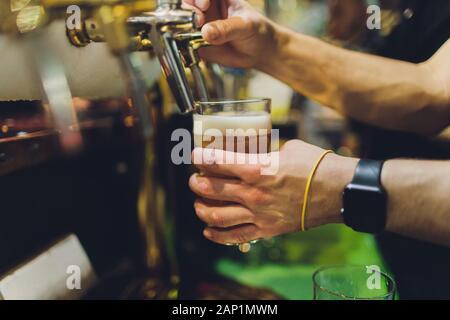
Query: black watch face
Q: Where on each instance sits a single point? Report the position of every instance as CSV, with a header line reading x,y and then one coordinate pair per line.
x,y
364,208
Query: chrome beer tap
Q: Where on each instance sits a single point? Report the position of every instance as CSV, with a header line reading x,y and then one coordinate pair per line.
x,y
174,38
105,21
189,44
217,76
162,28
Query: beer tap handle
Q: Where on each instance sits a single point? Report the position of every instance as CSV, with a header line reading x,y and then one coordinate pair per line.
x,y
200,83
217,75
161,27
189,44
167,32
166,48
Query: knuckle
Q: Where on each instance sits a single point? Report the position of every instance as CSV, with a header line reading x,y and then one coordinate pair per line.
x,y
221,28
241,237
266,224
217,219
252,174
245,234
256,197
252,197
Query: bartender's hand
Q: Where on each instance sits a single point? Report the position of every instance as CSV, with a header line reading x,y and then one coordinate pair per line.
x,y
242,37
239,204
387,93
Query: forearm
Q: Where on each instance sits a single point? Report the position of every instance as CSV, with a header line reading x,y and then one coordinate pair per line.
x,y
418,199
384,92
418,196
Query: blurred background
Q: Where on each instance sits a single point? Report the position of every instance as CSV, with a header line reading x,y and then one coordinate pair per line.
x,y
84,180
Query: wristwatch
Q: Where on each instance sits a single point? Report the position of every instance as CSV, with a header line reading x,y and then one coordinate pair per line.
x,y
365,200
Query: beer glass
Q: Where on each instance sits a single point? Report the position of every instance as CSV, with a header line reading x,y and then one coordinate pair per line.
x,y
242,126
348,282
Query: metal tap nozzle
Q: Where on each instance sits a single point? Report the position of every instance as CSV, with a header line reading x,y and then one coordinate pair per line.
x,y
189,44
161,27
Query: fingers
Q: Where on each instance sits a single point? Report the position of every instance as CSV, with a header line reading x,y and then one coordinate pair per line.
x,y
219,32
226,163
223,216
199,15
200,4
240,234
229,190
200,7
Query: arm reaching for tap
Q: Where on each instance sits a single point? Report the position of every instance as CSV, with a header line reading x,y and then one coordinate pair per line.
x,y
388,93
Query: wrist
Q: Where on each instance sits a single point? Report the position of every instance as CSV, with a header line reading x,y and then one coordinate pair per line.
x,y
392,173
276,38
325,202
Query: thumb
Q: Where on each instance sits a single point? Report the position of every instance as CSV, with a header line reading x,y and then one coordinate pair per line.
x,y
219,32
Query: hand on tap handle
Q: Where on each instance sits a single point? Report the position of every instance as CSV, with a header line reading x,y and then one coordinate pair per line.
x,y
242,37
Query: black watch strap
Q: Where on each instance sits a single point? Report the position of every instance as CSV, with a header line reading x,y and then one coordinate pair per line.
x,y
368,173
364,199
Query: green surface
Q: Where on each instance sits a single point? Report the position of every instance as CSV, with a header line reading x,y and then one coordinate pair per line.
x,y
286,264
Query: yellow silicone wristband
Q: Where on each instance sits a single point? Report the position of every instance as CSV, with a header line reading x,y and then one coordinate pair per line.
x,y
308,187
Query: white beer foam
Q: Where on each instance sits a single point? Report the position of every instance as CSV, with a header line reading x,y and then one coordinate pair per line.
x,y
248,123
227,120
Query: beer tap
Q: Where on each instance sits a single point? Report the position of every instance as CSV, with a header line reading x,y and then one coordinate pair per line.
x,y
109,20
29,22
105,21
217,76
173,35
189,44
162,28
